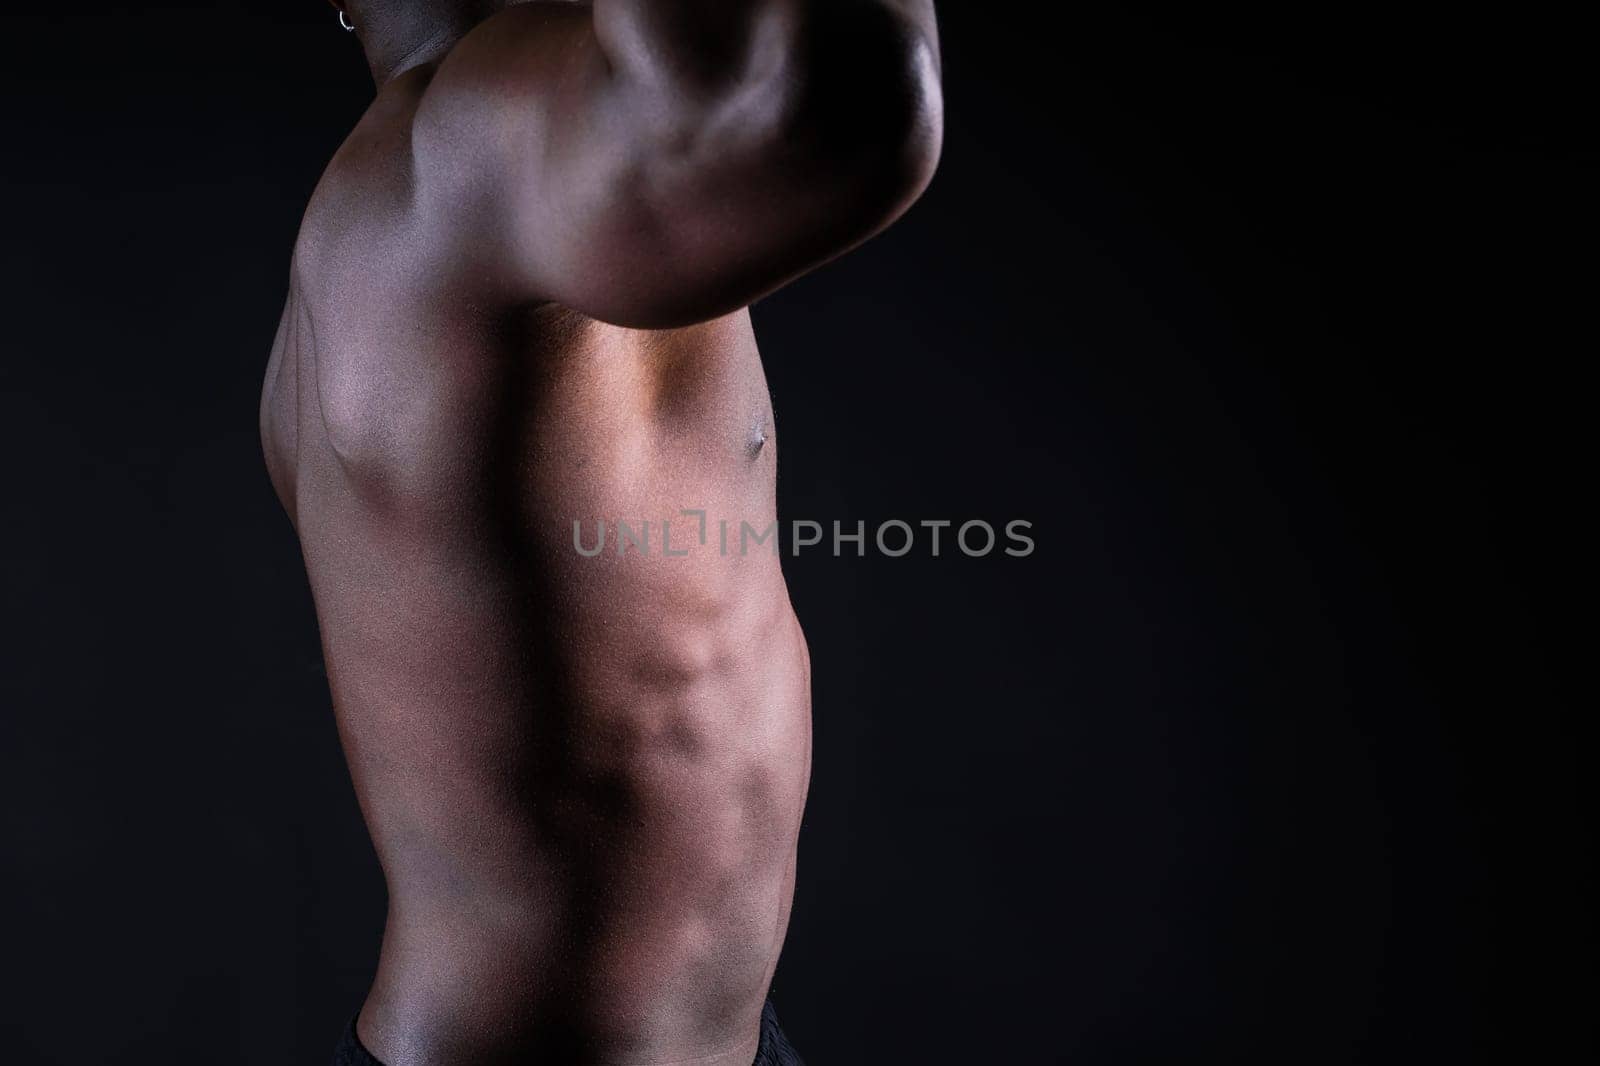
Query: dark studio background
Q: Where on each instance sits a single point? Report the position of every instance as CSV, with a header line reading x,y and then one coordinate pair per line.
x,y
1268,754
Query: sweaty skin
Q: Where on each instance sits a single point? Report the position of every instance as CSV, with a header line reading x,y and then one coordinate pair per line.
x,y
517,301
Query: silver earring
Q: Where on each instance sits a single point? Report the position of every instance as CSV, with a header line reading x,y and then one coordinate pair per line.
x,y
347,25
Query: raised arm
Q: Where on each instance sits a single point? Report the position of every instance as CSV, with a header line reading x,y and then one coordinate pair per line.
x,y
654,163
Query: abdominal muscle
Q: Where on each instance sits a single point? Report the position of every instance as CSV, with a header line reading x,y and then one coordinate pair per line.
x,y
583,775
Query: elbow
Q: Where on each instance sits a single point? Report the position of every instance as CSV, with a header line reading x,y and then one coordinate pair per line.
x,y
872,109
845,107
912,130
842,102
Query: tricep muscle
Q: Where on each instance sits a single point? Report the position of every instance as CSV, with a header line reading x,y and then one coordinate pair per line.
x,y
654,191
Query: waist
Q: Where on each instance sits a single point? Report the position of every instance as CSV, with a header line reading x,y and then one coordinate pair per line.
x,y
616,889
606,814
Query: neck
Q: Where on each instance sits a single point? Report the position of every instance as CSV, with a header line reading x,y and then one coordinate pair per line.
x,y
397,35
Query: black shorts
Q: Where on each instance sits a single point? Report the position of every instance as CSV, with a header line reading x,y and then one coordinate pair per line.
x,y
775,1049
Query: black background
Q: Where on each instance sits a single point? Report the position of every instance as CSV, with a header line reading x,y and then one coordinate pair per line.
x,y
1274,330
